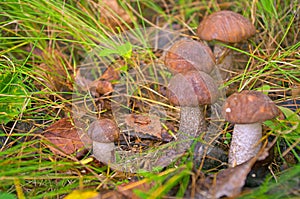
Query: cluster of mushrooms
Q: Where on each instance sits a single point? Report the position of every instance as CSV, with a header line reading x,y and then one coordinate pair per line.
x,y
192,86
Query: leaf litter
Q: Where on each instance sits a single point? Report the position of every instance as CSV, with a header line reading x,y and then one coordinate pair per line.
x,y
64,137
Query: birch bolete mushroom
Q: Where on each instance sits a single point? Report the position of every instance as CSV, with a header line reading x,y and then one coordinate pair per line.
x,y
103,133
191,91
187,55
227,27
247,110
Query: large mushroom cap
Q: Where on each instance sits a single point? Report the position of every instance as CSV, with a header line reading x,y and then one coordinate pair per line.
x,y
193,88
249,107
225,26
104,131
186,55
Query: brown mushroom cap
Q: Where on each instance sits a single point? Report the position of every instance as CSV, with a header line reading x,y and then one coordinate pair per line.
x,y
193,88
186,55
249,107
104,131
225,26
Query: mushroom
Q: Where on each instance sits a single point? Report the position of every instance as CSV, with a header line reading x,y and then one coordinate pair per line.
x,y
247,110
103,133
186,55
225,66
191,90
225,26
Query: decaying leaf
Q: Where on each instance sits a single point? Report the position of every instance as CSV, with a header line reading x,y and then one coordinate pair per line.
x,y
101,87
144,124
229,182
64,136
110,74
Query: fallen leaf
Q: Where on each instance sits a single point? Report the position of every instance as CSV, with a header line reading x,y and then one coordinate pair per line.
x,y
65,136
144,124
229,182
102,87
110,74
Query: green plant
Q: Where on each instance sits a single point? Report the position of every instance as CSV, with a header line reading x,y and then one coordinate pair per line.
x,y
13,92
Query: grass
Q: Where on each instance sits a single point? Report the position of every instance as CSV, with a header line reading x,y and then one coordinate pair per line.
x,y
43,44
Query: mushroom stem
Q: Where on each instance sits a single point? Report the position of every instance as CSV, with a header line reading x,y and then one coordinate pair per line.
x,y
192,124
245,143
104,151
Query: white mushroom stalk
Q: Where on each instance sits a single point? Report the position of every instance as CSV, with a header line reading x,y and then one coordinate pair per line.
x,y
103,133
247,110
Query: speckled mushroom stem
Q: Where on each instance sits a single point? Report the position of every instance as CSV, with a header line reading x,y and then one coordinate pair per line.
x,y
245,143
192,124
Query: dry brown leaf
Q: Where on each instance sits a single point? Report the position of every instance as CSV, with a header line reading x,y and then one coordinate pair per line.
x,y
110,74
144,124
101,87
64,136
229,182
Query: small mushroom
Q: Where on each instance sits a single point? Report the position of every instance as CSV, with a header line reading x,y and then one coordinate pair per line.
x,y
247,110
187,55
191,90
103,132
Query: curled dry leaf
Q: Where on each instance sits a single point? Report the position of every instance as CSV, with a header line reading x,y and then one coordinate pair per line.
x,y
144,124
101,87
110,74
104,85
64,135
229,182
